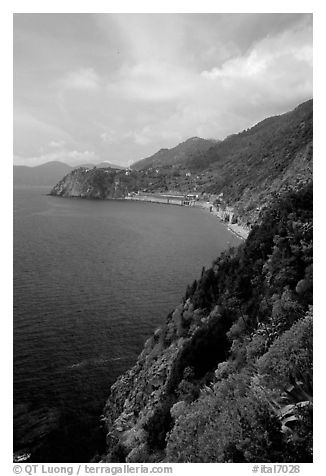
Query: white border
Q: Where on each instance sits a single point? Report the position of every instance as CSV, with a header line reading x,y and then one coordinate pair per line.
x,y
168,6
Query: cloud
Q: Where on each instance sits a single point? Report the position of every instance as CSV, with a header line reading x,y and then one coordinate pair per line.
x,y
83,79
274,75
125,86
31,133
152,81
57,144
109,137
271,56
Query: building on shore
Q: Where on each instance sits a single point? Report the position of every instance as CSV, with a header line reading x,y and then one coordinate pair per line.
x,y
168,198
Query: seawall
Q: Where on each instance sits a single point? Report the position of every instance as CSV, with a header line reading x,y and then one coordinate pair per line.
x,y
184,200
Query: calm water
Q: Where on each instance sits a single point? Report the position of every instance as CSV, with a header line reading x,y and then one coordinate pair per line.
x,y
92,280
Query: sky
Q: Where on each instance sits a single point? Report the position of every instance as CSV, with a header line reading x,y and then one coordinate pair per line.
x,y
118,87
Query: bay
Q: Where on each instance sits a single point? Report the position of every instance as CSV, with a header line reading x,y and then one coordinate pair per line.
x,y
92,281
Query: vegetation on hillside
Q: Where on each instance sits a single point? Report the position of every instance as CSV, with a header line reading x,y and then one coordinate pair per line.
x,y
228,377
249,168
175,156
258,404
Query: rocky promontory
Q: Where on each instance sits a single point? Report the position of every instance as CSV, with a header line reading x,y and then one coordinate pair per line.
x,y
138,412
89,183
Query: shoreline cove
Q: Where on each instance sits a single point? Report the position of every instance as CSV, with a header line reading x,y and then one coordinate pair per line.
x,y
208,207
236,229
106,314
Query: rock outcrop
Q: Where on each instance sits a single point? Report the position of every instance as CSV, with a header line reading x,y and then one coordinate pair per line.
x,y
138,412
89,183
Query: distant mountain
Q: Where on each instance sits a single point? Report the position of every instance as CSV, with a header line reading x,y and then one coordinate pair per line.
x,y
246,169
50,172
104,165
45,174
101,165
178,155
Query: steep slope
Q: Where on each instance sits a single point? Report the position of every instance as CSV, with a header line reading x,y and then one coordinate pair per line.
x,y
227,378
99,183
271,141
178,155
249,167
276,153
246,169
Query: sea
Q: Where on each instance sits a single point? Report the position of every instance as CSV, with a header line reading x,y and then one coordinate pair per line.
x,y
92,280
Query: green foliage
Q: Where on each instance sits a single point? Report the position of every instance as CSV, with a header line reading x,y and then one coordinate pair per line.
x,y
232,423
290,356
299,439
286,310
243,336
208,346
263,291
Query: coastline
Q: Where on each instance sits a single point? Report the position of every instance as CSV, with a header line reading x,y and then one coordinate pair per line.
x,y
238,230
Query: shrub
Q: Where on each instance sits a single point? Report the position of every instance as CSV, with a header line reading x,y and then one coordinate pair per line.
x,y
289,356
231,423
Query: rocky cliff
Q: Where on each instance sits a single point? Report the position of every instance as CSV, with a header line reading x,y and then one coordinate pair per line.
x,y
96,183
138,412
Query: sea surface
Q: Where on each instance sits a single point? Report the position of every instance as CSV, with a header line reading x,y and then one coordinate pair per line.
x,y
92,281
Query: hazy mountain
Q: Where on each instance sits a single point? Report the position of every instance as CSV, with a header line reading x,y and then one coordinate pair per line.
x,y
50,172
45,174
104,165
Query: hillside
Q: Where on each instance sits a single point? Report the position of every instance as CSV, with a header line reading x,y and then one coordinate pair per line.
x,y
228,376
247,169
178,155
99,183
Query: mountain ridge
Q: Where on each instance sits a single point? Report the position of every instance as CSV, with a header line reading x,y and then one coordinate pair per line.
x,y
49,173
247,168
177,152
